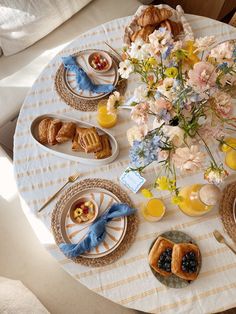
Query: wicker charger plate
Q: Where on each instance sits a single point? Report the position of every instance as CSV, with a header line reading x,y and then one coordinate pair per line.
x,y
75,101
226,210
132,220
174,281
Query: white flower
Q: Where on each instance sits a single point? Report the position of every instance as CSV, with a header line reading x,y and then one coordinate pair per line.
x,y
223,51
137,133
140,93
139,49
125,68
160,38
166,88
188,159
177,45
174,133
203,43
114,101
215,175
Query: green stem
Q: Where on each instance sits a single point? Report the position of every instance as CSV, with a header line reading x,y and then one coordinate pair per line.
x,y
208,150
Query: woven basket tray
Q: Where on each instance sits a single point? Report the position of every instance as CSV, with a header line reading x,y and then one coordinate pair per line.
x,y
177,16
76,102
132,220
226,210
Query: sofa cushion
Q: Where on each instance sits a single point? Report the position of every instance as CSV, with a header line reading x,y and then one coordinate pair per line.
x,y
18,72
24,22
15,298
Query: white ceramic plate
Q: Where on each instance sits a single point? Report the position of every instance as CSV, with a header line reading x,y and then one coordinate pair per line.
x,y
64,149
109,77
74,233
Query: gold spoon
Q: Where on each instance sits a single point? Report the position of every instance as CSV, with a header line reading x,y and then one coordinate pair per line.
x,y
69,180
221,239
116,52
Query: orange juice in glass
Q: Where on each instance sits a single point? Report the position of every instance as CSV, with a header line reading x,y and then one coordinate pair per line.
x,y
105,119
154,210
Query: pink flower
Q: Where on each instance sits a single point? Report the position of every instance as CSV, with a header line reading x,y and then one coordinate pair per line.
x,y
211,131
224,105
139,113
163,154
137,133
202,76
161,104
188,159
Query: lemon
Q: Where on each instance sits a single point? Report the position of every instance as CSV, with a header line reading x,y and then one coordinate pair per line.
x,y
230,159
229,141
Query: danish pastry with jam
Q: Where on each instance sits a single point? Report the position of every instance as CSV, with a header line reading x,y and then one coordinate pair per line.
x,y
160,256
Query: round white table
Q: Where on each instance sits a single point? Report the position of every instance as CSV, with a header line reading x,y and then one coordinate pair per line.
x,y
129,280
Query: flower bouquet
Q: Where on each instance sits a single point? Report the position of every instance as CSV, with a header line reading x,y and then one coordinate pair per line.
x,y
182,105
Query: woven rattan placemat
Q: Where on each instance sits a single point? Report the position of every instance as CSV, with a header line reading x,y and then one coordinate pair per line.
x,y
226,210
132,220
76,102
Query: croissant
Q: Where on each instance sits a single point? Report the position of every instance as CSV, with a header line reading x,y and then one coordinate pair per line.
x,y
144,32
176,28
153,16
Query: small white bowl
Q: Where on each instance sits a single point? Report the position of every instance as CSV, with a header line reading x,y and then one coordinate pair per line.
x,y
83,199
105,56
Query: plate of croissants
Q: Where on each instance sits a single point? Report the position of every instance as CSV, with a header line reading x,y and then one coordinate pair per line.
x,y
74,139
147,19
175,259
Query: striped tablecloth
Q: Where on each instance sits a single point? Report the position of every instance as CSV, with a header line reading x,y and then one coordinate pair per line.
x,y
128,281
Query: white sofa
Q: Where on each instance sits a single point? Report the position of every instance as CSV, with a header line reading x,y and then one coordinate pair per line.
x,y
19,71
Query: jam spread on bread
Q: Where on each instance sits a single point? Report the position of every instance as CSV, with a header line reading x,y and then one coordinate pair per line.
x,y
189,262
164,261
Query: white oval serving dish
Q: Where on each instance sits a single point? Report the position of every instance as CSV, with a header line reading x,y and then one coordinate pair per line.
x,y
64,150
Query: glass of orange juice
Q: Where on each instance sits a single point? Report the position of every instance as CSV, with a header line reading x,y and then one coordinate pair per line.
x,y
105,119
154,210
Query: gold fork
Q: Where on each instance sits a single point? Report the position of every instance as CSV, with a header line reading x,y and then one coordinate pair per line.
x,y
69,180
221,239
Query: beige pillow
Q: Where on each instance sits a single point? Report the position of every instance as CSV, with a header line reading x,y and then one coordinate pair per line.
x,y
15,298
23,22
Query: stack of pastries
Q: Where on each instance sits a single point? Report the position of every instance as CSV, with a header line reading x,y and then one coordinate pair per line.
x,y
180,259
152,18
54,131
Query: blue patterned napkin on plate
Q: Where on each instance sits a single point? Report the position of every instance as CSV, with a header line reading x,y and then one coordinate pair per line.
x,y
83,79
97,231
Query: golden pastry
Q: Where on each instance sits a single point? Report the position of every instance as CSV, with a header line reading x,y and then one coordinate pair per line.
x,y
143,33
53,129
76,146
185,260
160,256
153,16
66,132
167,25
106,150
43,130
174,27
90,140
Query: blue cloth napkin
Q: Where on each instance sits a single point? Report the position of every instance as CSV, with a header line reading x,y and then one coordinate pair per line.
x,y
83,79
97,231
